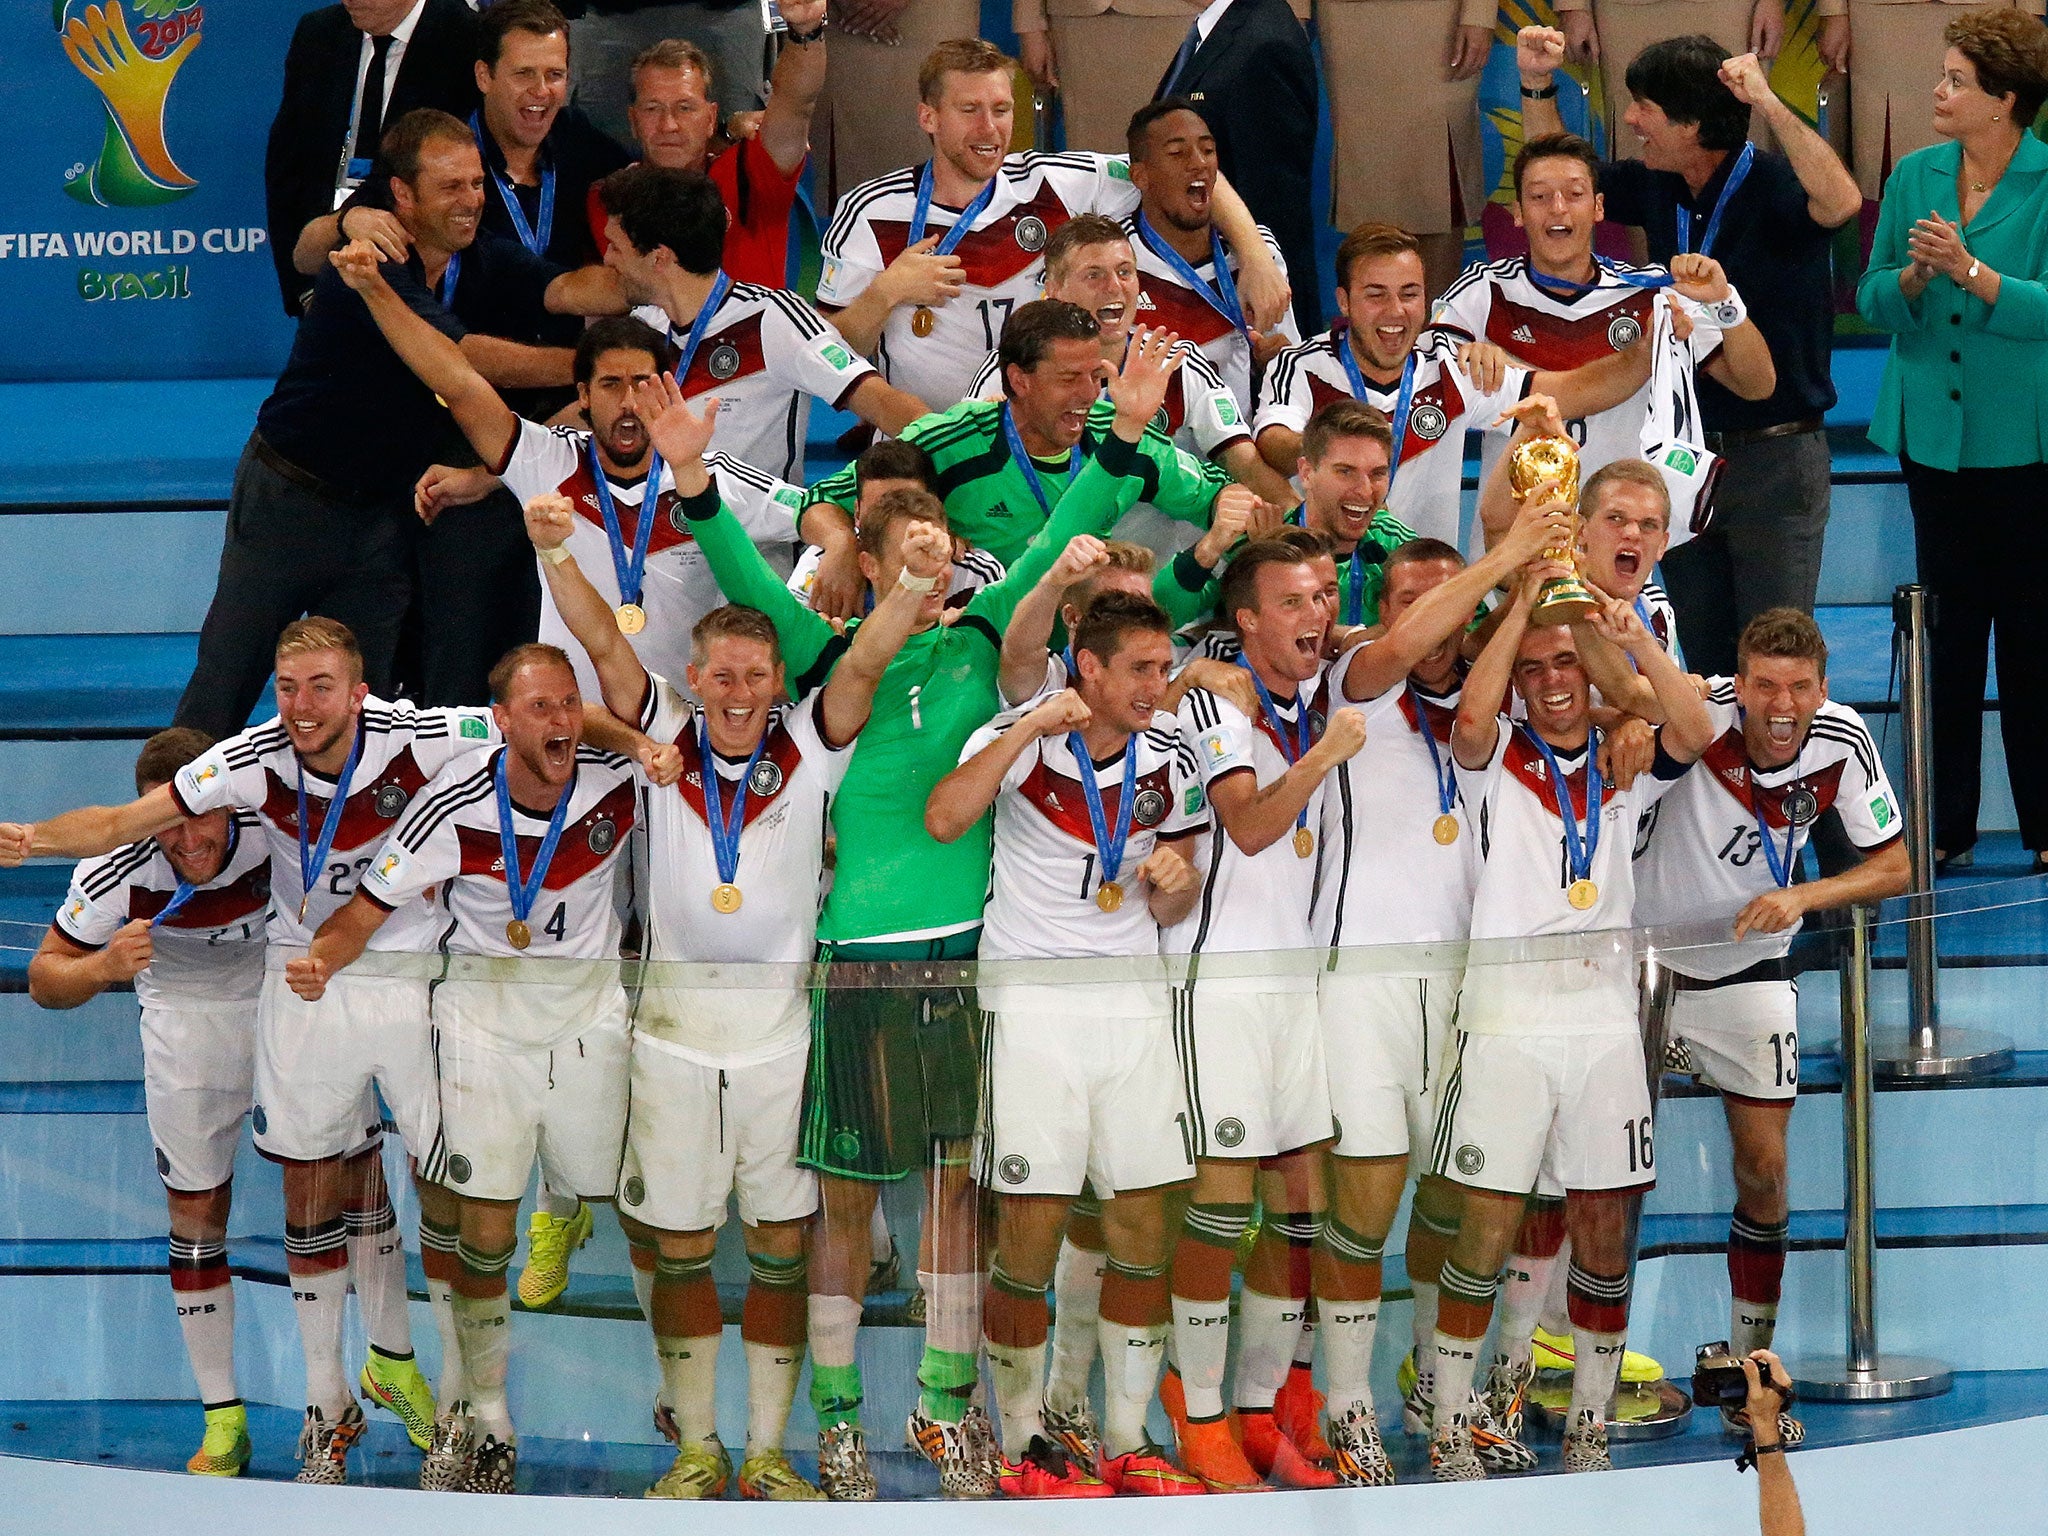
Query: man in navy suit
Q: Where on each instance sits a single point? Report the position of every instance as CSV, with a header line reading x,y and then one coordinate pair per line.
x,y
1247,67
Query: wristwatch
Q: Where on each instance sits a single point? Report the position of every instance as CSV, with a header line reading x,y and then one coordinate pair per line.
x,y
1976,266
1545,94
803,39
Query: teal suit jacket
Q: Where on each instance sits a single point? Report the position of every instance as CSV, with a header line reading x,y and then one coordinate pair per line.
x,y
1970,378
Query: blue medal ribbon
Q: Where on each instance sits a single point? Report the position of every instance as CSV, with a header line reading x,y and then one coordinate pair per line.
x,y
1444,773
1221,295
1292,744
1780,865
725,829
1404,398
631,569
520,889
1578,848
535,240
721,285
186,889
922,211
1029,470
450,276
1109,842
1736,177
313,860
1569,289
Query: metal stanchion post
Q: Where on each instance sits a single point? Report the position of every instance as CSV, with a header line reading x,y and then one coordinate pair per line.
x,y
1863,1374
1926,1049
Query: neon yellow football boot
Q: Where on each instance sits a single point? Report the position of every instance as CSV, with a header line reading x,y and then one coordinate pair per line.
x,y
225,1450
549,1242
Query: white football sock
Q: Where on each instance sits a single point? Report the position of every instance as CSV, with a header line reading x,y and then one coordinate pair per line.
x,y
376,1260
772,1371
1456,1360
1018,1371
1077,1303
689,1384
1595,1370
1201,1347
1268,1329
1348,1329
1752,1325
208,1320
1131,1357
483,1326
320,1304
453,1387
1524,1296
952,1310
834,1328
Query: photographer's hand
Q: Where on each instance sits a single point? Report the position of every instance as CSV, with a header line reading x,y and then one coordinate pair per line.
x,y
1778,1512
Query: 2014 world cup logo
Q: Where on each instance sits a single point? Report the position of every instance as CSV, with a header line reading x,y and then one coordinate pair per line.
x,y
132,67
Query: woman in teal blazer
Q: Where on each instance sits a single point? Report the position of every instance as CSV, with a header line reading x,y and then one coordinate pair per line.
x,y
1957,276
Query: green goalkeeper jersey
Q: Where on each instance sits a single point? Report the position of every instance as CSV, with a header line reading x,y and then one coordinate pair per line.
x,y
988,497
891,878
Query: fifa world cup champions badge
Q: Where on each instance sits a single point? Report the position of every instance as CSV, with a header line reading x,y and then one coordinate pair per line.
x,y
131,54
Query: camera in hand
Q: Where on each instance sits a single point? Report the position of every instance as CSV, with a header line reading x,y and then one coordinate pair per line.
x,y
1718,1381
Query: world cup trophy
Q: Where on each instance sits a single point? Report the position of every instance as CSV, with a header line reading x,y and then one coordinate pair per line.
x,y
1533,462
133,70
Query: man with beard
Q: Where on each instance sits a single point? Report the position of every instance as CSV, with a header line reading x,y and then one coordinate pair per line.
x,y
180,915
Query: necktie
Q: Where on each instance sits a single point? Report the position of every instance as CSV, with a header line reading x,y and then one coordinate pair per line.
x,y
1188,45
370,120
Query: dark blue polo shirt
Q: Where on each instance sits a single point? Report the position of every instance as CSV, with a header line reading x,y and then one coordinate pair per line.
x,y
1773,252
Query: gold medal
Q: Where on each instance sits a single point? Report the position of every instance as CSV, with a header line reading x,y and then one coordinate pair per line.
x,y
1445,829
517,934
632,618
725,898
1304,842
923,322
1582,894
1109,896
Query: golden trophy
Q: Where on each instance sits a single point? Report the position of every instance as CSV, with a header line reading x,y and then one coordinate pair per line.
x,y
1533,462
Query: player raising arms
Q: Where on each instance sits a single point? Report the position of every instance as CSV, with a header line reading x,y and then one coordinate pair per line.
x,y
1400,860
1549,1068
328,775
520,844
1727,840
1254,1057
1083,786
893,1084
181,916
738,850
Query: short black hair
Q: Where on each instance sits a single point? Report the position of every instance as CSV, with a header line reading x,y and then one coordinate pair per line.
x,y
656,206
894,459
540,17
1138,136
1032,329
616,333
407,139
1681,77
166,752
1556,146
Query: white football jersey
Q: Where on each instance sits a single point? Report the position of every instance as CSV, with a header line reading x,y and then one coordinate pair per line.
x,y
1035,194
1673,435
1166,302
403,748
1201,414
1386,879
764,354
1048,869
1523,877
450,841
678,588
1256,903
1700,851
210,950
1445,406
780,876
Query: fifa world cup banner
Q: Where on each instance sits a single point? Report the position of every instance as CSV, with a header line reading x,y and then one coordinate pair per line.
x,y
132,240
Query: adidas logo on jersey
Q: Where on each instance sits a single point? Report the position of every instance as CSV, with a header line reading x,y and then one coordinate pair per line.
x,y
1145,300
1522,333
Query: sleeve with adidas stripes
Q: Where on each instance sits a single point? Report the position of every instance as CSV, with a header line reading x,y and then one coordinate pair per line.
x,y
1189,812
851,257
542,458
1219,733
94,908
424,848
745,578
806,353
765,506
1869,809
230,773
442,735
1286,400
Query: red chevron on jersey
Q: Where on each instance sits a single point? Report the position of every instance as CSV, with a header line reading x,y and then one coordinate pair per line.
x,y
1062,802
1165,304
733,353
1441,719
1263,724
1526,764
992,254
1728,761
1544,339
215,907
581,489
585,843
365,819
1425,428
782,754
